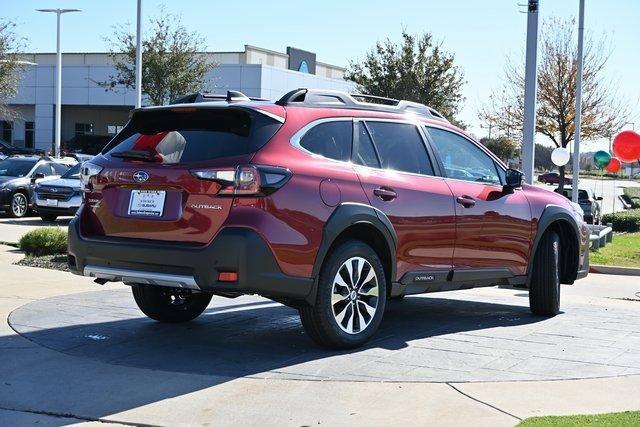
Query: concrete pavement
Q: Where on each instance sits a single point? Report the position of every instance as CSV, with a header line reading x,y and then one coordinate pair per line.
x,y
38,382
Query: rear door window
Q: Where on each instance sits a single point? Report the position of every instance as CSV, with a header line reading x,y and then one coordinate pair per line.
x,y
330,139
400,147
185,135
366,154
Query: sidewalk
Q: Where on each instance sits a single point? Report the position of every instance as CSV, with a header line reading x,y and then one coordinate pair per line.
x,y
39,382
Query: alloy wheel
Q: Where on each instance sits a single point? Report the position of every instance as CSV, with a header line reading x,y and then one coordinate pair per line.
x,y
354,295
19,204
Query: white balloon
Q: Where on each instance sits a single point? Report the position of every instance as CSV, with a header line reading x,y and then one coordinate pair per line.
x,y
560,156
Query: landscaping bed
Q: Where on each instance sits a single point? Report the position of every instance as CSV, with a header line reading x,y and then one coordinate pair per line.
x,y
623,251
53,262
45,248
617,419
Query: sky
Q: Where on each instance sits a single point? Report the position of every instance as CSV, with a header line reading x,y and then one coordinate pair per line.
x,y
481,34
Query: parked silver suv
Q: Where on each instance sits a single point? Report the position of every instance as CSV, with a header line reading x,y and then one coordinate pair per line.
x,y
59,197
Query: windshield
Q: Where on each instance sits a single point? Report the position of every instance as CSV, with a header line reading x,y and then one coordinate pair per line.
x,y
168,136
73,173
16,168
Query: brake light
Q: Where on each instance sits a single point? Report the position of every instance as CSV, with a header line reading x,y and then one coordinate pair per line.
x,y
87,170
246,180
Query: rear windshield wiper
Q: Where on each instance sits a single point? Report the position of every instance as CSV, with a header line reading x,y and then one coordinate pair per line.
x,y
144,155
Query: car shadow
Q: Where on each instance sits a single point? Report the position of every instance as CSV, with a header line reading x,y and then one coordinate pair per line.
x,y
63,221
230,340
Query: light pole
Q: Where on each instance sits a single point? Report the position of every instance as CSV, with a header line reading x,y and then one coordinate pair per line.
x,y
58,12
530,85
139,56
578,119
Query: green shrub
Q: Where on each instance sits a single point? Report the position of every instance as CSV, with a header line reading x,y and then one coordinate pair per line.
x,y
44,241
624,221
633,194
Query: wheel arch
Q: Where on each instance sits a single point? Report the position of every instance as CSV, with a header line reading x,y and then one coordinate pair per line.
x,y
558,219
359,222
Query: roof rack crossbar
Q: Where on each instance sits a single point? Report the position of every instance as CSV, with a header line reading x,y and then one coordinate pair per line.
x,y
322,98
231,96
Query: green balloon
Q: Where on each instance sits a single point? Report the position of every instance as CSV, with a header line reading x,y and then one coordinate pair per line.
x,y
602,159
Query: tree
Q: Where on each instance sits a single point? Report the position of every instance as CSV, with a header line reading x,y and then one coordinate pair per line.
x,y
171,64
501,147
543,157
415,69
11,67
603,114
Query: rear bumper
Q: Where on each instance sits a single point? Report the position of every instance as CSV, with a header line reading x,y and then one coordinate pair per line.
x,y
236,249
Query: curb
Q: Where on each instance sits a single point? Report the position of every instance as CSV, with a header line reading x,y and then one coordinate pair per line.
x,y
612,269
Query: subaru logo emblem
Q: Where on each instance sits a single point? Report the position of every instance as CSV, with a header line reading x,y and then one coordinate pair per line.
x,y
140,176
54,190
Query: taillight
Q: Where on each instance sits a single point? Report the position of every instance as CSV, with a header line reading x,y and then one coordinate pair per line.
x,y
87,170
246,180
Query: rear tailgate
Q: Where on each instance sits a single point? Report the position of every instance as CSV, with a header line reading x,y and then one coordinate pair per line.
x,y
160,198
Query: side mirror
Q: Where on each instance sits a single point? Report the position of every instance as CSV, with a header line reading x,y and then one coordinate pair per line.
x,y
598,197
36,177
513,178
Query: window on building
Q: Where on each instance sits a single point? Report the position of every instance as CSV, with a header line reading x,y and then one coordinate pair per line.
x,y
113,129
400,147
29,132
330,139
6,131
84,129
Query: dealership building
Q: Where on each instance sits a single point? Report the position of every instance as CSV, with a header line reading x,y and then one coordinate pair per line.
x,y
90,109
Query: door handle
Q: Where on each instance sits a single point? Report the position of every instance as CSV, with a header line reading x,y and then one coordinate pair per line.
x,y
466,201
386,194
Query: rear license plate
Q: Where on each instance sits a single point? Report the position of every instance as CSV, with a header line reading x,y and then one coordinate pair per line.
x,y
52,202
146,203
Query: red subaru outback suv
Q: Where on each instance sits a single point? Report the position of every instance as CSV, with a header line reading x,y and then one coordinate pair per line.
x,y
327,202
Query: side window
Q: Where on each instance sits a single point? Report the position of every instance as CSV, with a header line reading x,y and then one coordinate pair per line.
x,y
59,169
462,159
366,155
330,139
43,168
400,147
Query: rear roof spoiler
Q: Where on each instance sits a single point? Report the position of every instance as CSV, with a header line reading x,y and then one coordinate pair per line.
x,y
231,96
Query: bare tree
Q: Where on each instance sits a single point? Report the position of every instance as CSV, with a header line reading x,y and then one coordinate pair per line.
x,y
172,64
603,113
11,67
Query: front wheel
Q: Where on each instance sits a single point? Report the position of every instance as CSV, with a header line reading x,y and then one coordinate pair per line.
x,y
169,305
19,205
350,298
544,290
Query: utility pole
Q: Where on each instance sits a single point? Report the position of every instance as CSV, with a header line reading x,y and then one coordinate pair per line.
x,y
58,134
530,87
139,56
578,120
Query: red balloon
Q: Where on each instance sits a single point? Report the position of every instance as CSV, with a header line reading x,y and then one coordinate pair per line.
x,y
614,165
626,146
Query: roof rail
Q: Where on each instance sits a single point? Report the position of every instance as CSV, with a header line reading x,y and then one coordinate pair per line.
x,y
327,98
231,96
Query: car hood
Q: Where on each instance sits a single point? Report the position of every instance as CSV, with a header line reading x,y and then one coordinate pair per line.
x,y
8,180
62,182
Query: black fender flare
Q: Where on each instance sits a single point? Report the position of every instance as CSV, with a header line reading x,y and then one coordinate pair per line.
x,y
551,214
344,216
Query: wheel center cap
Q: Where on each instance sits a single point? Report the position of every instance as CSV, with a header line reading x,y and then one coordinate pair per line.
x,y
353,295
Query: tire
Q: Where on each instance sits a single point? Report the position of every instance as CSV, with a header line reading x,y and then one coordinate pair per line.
x,y
336,320
19,205
169,305
544,290
49,217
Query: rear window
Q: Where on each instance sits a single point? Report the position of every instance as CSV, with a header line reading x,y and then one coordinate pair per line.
x,y
190,136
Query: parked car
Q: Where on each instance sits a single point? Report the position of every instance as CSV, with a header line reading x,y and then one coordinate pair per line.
x,y
322,201
553,178
588,202
59,197
7,150
19,175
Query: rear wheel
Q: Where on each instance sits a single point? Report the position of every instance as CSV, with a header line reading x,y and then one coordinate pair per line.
x,y
49,217
19,205
350,298
544,290
170,305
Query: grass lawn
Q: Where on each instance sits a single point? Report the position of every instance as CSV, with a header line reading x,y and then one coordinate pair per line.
x,y
619,419
623,251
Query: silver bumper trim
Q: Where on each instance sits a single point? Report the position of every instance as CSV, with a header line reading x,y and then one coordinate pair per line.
x,y
143,277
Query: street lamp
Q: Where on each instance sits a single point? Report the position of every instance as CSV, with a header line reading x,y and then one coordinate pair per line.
x,y
58,12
